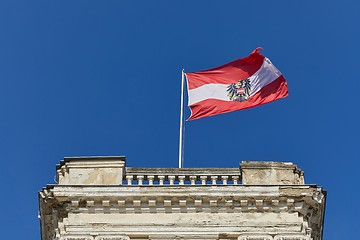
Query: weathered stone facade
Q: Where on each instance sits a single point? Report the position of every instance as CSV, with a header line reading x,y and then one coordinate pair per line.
x,y
98,198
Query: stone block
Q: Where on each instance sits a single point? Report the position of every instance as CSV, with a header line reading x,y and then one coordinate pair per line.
x,y
91,171
271,173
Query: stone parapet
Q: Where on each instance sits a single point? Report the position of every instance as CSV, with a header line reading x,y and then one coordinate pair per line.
x,y
271,173
91,170
112,171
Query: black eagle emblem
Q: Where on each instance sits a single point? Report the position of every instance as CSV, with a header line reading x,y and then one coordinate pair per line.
x,y
240,91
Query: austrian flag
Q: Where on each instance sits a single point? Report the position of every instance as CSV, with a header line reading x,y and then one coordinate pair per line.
x,y
243,83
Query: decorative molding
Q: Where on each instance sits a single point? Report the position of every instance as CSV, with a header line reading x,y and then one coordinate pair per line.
x,y
255,237
291,237
140,205
276,237
318,196
76,238
117,237
83,237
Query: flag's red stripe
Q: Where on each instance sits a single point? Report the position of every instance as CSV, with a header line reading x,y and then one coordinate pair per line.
x,y
226,74
271,92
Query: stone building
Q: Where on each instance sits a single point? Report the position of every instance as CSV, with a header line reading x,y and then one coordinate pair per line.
x,y
99,198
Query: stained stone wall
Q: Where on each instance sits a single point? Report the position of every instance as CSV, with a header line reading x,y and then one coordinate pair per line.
x,y
99,198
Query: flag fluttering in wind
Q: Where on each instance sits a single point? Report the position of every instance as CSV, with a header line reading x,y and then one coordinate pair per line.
x,y
241,84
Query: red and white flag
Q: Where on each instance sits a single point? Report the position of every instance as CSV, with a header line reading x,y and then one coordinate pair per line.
x,y
243,83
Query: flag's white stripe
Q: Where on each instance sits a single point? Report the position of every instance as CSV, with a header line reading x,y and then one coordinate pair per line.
x,y
266,74
208,91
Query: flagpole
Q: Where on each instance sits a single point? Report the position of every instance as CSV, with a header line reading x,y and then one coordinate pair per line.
x,y
181,148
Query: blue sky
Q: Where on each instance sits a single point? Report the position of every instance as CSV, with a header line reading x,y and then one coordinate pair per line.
x,y
88,77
